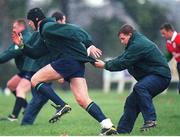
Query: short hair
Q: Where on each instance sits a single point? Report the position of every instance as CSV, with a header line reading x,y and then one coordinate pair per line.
x,y
21,21
167,27
126,29
58,15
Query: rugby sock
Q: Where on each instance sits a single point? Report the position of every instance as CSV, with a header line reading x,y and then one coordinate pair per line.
x,y
94,110
46,90
106,123
20,102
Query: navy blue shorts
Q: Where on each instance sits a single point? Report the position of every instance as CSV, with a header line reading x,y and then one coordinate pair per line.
x,y
25,74
69,68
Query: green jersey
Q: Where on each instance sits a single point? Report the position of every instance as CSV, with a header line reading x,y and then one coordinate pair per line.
x,y
141,57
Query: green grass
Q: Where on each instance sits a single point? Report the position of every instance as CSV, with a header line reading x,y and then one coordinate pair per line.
x,y
78,122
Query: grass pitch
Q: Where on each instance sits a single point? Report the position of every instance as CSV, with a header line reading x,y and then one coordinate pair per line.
x,y
78,122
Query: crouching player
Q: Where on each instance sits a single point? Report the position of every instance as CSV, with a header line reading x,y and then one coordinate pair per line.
x,y
20,83
147,65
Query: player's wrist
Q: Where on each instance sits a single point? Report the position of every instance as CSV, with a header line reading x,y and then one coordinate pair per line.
x,y
21,45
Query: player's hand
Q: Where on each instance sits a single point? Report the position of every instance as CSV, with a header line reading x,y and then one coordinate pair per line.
x,y
99,64
95,52
16,38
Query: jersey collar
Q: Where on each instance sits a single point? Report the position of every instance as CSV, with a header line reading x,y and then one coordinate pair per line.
x,y
174,36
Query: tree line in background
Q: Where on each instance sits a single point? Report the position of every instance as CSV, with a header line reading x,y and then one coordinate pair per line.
x,y
146,15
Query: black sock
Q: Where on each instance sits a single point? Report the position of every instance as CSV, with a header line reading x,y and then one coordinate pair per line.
x,y
24,105
94,110
46,89
14,93
18,105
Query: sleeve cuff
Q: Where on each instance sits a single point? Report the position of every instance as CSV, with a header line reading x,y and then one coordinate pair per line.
x,y
21,46
88,43
106,66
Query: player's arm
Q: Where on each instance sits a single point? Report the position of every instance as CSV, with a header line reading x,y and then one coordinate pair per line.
x,y
79,34
35,51
124,61
9,54
68,31
49,28
177,40
87,41
168,55
5,56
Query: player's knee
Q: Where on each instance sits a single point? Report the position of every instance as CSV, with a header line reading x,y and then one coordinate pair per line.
x,y
34,81
20,93
24,88
138,89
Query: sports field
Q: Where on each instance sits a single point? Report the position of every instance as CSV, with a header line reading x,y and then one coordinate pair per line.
x,y
78,122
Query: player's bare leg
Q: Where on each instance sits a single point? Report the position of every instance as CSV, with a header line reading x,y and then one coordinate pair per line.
x,y
80,91
22,88
13,83
39,80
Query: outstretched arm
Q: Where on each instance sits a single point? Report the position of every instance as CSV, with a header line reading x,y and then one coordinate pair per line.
x,y
9,54
72,32
124,61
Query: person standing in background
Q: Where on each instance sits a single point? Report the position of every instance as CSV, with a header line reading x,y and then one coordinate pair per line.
x,y
172,45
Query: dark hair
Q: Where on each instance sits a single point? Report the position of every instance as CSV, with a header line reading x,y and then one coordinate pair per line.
x,y
21,21
58,15
167,27
126,29
35,15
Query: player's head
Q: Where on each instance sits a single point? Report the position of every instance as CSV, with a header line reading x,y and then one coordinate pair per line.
x,y
34,16
60,17
19,25
167,30
125,33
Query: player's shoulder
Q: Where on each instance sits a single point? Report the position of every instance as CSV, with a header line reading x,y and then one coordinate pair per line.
x,y
177,38
178,35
